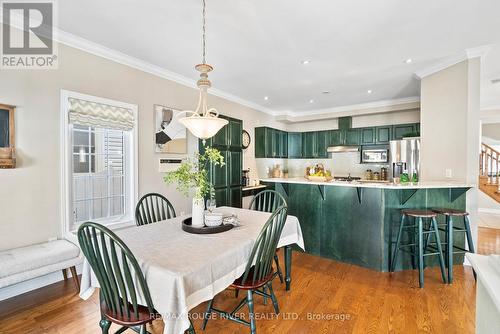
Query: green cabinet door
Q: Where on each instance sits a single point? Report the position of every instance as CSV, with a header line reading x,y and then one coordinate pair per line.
x,y
383,134
352,137
367,136
283,137
294,145
322,144
219,174
309,144
335,137
235,135
235,197
234,162
260,142
403,130
221,138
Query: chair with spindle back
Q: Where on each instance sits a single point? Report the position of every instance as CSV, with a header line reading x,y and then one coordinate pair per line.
x,y
120,278
258,272
152,208
268,201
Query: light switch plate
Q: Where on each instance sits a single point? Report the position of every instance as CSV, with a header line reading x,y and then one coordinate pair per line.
x,y
448,173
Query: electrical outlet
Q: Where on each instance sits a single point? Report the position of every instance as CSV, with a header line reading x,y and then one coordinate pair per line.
x,y
448,173
183,213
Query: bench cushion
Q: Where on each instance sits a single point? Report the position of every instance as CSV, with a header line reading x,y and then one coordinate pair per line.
x,y
29,258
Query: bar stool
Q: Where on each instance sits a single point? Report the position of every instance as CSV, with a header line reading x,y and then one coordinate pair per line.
x,y
418,223
449,229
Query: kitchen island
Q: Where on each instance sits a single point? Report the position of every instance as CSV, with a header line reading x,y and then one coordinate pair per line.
x,y
356,222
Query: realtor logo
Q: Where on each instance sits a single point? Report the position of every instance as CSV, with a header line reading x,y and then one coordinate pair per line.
x,y
28,35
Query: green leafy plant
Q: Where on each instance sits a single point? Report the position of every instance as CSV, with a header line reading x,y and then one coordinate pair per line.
x,y
193,174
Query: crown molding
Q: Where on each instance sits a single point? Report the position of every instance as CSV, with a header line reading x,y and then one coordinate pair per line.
x,y
376,107
471,53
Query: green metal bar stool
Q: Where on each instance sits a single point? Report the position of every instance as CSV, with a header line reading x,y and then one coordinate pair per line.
x,y
417,249
449,230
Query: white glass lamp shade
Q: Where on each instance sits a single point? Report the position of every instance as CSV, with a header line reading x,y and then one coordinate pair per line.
x,y
203,127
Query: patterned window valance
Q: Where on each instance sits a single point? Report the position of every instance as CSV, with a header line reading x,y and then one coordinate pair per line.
x,y
100,115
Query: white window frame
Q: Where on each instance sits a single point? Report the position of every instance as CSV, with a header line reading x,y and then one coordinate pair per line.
x,y
131,165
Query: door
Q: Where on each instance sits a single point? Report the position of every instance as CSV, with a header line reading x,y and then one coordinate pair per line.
x,y
294,145
235,133
335,137
309,145
322,144
403,130
260,142
367,136
383,134
351,137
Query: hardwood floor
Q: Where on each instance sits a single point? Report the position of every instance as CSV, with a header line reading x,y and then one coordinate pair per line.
x,y
326,297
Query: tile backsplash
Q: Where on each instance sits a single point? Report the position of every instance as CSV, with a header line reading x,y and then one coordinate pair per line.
x,y
341,164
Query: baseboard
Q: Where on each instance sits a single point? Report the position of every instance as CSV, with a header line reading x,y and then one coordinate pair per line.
x,y
491,211
33,284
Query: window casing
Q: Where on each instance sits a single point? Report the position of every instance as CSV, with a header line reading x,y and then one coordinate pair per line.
x,y
99,171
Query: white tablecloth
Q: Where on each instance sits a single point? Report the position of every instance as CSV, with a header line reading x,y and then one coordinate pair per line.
x,y
183,270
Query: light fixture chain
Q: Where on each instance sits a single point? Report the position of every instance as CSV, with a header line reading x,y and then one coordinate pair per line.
x,y
204,32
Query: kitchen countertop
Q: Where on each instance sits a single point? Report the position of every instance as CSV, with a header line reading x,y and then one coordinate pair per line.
x,y
260,186
367,184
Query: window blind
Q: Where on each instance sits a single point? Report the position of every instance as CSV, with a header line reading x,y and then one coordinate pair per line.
x,y
100,115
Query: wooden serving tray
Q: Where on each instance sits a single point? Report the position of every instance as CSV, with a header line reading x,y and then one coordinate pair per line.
x,y
319,178
187,227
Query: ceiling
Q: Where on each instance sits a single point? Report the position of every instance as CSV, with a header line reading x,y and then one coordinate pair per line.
x,y
257,46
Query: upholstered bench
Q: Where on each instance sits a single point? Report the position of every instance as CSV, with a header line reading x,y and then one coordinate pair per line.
x,y
24,263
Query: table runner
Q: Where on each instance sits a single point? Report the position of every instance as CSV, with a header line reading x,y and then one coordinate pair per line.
x,y
183,270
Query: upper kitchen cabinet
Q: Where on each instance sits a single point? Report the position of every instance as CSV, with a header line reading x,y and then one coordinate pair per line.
x,y
294,145
383,134
235,134
322,144
310,144
351,137
405,130
270,143
335,137
368,136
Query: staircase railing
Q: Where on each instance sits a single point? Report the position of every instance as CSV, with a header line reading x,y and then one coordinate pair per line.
x,y
489,162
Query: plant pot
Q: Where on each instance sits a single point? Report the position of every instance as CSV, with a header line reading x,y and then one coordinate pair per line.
x,y
197,213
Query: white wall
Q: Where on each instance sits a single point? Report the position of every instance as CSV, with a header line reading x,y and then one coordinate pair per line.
x,y
29,194
450,127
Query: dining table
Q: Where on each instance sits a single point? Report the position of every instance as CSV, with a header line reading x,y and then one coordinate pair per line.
x,y
183,270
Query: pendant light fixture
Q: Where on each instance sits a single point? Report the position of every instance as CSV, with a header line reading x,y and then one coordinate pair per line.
x,y
204,122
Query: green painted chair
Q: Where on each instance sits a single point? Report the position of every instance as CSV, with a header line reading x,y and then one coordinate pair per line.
x,y
120,278
258,274
269,201
152,208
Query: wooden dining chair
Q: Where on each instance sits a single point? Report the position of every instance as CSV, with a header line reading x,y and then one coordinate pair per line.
x,y
152,208
269,201
120,278
258,273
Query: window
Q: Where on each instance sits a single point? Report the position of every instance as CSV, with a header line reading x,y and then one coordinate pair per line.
x,y
99,173
100,167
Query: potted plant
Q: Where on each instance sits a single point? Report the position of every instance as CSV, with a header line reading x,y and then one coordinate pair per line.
x,y
192,179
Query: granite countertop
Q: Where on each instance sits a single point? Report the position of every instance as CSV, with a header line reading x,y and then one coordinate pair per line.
x,y
367,184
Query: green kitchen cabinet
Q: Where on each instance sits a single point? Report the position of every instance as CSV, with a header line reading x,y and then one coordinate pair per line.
x,y
294,145
322,144
351,137
403,130
335,137
227,179
310,144
283,147
260,142
367,136
383,134
235,134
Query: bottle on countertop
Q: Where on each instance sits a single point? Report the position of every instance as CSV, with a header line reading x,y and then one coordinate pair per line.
x,y
404,178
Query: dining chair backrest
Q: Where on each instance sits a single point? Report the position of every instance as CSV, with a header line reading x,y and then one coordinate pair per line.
x,y
259,265
152,208
120,277
267,201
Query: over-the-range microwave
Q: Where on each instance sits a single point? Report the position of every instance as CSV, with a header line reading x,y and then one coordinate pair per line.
x,y
379,155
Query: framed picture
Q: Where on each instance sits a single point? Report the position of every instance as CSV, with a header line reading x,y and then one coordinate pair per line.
x,y
170,134
7,137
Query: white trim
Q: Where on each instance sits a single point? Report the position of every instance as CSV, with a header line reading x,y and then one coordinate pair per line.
x,y
450,61
35,283
491,211
375,107
65,154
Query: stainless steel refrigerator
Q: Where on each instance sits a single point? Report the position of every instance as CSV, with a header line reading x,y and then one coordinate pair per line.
x,y
405,157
